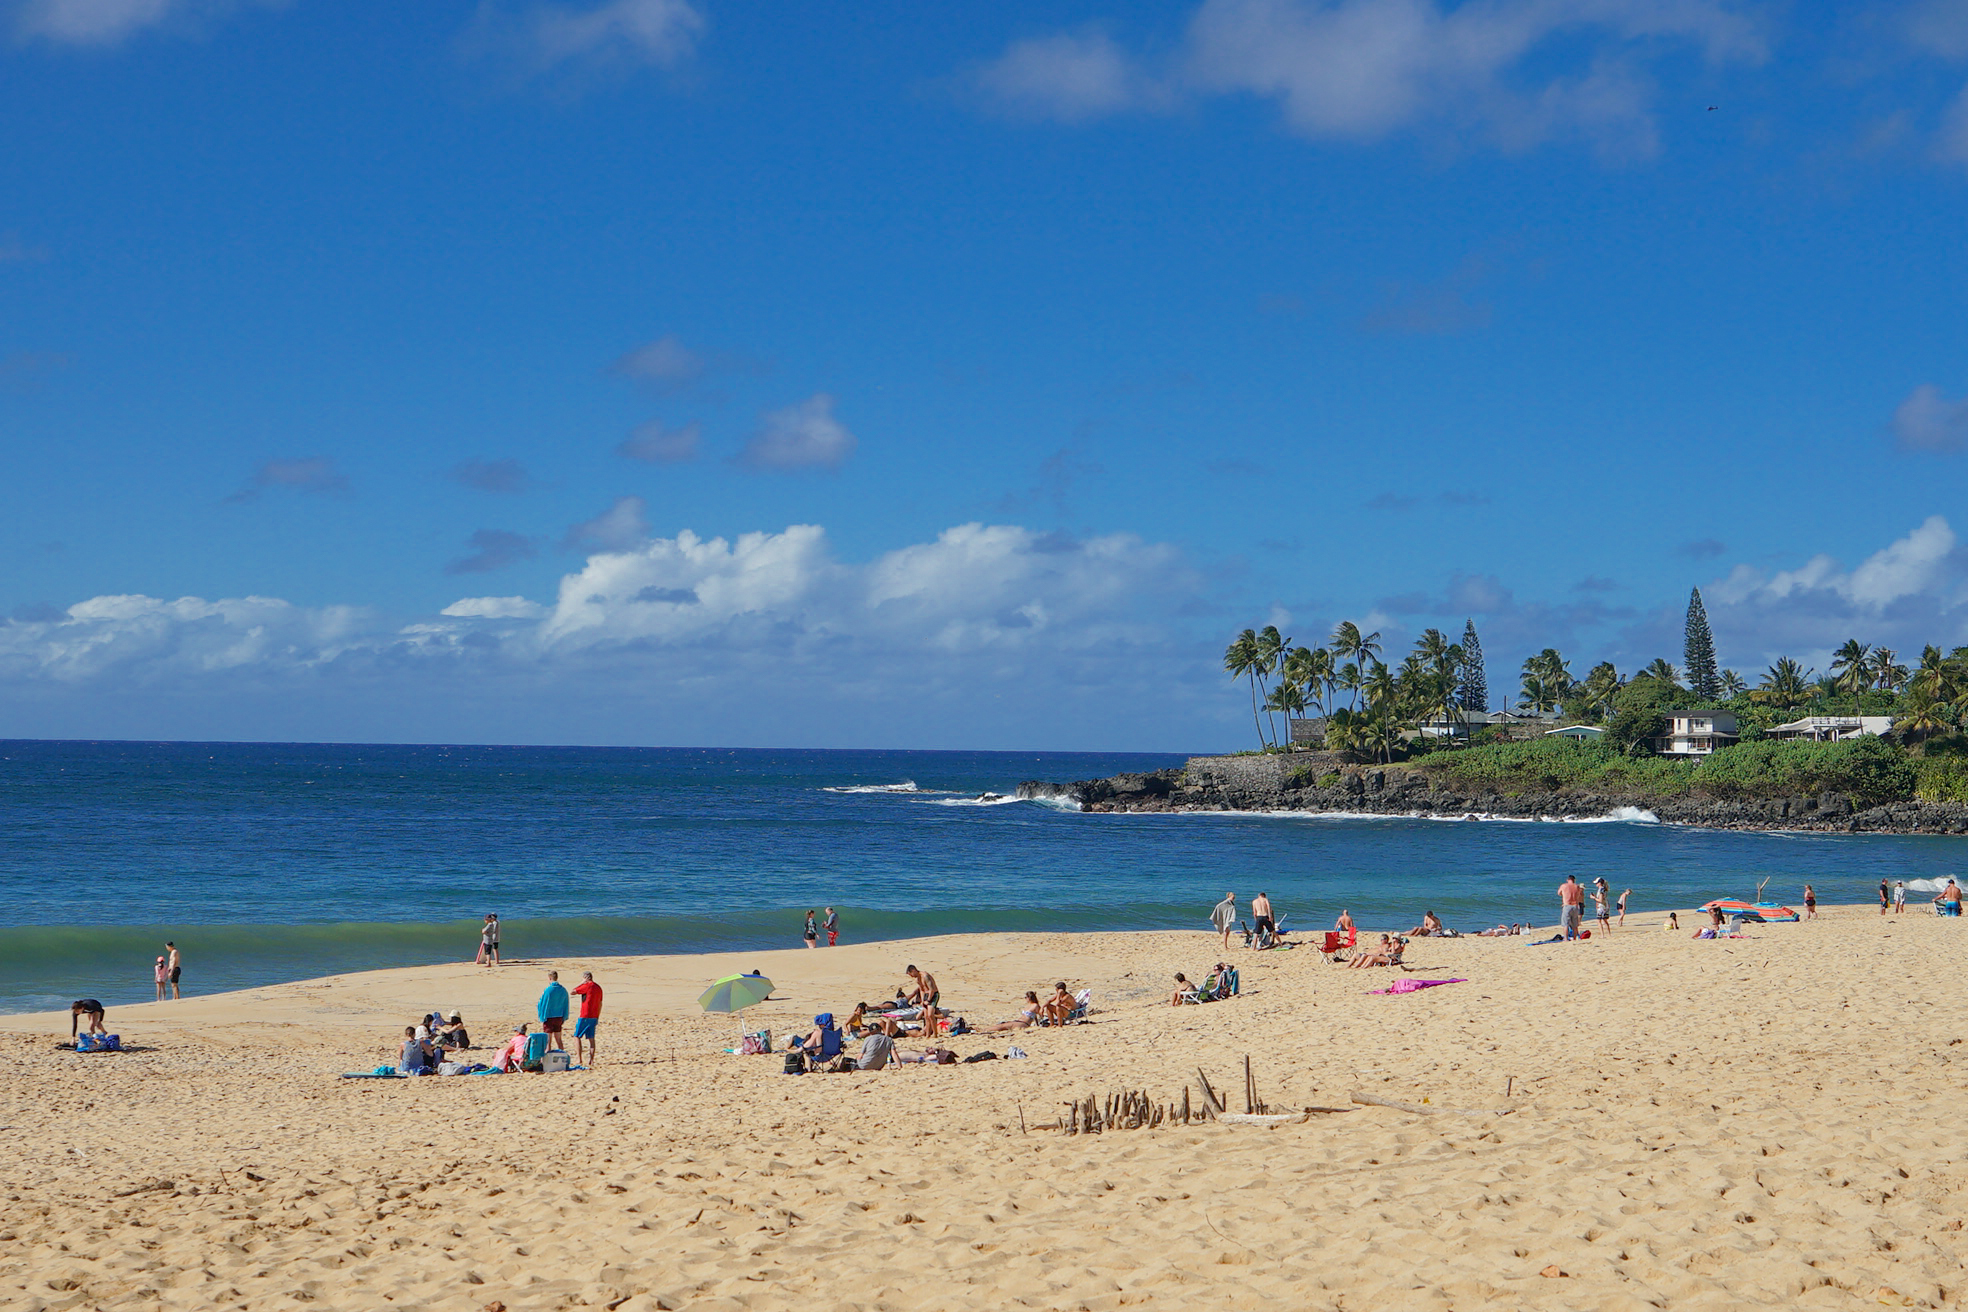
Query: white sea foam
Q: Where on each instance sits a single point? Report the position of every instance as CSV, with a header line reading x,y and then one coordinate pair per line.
x,y
906,786
1619,815
988,799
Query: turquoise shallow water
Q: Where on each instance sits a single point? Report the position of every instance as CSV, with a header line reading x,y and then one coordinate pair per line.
x,y
269,862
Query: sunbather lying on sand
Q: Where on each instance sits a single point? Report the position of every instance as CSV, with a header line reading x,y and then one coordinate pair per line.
x,y
1388,954
1025,1019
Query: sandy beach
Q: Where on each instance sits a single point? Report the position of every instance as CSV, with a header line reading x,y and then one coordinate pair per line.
x,y
1669,1123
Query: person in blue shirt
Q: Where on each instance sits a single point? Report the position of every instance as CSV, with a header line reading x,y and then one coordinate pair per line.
x,y
553,1009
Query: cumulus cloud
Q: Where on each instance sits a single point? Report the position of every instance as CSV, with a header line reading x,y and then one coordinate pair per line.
x,y
494,548
1521,72
656,444
1068,77
613,34
803,436
693,628
1929,421
665,364
310,474
492,475
494,608
615,529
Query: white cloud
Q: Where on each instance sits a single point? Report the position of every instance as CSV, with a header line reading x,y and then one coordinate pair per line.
x,y
655,444
1920,562
494,608
666,363
995,627
620,526
1520,72
106,22
803,436
612,34
1928,421
1068,77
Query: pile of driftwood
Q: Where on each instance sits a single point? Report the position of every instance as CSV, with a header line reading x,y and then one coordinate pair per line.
x,y
1135,1110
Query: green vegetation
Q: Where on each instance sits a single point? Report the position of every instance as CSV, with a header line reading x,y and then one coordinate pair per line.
x,y
1414,710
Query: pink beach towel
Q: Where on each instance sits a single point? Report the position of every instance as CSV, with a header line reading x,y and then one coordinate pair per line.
x,y
1408,984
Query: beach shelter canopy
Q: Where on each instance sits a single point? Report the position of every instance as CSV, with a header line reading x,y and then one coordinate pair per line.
x,y
735,993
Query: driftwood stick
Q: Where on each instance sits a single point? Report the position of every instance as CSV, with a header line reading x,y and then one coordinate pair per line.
x,y
1368,1100
1250,1088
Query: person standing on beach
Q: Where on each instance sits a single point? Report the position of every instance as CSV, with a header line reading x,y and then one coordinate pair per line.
x,y
85,1007
1625,893
163,978
1223,916
812,931
589,993
553,1009
1885,896
1261,914
1810,903
176,968
1571,901
488,941
1899,896
832,925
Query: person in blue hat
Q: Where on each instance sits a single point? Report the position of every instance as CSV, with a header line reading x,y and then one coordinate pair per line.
x,y
824,1042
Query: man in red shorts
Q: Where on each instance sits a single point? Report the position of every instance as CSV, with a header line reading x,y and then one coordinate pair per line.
x,y
553,1009
589,993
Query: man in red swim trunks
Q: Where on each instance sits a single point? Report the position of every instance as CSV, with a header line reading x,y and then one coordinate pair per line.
x,y
589,993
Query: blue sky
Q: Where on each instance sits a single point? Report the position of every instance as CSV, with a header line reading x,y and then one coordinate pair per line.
x,y
1036,353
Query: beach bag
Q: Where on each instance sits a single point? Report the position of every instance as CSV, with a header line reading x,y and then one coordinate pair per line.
x,y
980,1056
944,1057
85,1043
751,1046
795,1063
109,1043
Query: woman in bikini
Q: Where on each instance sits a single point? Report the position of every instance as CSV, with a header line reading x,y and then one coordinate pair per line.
x,y
1026,1018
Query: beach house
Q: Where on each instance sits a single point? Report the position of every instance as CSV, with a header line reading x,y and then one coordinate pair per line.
x,y
1696,733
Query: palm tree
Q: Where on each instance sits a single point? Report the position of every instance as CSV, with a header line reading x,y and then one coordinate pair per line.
x,y
1935,679
1347,680
1272,648
1852,670
1732,685
1241,659
1785,685
1658,668
1349,643
1885,669
1383,733
1301,672
1921,717
1601,683
1288,700
1546,680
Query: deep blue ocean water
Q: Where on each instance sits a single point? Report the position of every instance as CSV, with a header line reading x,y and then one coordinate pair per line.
x,y
272,862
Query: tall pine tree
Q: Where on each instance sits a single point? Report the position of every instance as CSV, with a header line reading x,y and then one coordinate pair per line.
x,y
1698,652
1474,693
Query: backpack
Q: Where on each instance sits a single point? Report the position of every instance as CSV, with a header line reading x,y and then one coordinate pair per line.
x,y
981,1056
795,1063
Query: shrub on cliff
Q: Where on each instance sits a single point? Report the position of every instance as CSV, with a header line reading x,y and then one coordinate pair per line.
x,y
1871,769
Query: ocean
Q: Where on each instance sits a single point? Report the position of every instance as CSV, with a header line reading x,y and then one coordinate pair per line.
x,y
275,862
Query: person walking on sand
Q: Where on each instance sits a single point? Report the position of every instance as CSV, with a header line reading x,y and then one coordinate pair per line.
x,y
1223,916
1625,893
832,925
1261,920
1899,896
589,993
1571,901
1810,903
812,930
163,978
553,1009
488,941
175,967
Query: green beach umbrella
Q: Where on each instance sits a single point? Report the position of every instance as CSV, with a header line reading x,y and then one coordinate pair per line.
x,y
735,993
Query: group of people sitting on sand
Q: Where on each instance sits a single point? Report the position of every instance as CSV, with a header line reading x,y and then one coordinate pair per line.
x,y
1222,982
431,1042
917,1011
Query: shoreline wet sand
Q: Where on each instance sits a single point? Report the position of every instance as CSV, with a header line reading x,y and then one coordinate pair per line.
x,y
1687,1124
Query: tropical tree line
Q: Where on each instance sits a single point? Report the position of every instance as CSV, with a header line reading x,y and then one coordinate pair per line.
x,y
1381,702
1373,704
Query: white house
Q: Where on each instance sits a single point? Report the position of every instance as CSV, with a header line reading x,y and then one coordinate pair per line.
x,y
1696,733
1831,728
1591,733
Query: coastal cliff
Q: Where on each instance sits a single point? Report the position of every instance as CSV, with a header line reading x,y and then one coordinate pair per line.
x,y
1320,782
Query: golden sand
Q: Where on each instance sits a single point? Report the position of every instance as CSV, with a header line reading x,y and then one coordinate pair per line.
x,y
1771,1121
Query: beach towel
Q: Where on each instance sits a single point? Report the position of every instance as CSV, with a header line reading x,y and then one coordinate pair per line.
x,y
380,1073
1538,943
1412,985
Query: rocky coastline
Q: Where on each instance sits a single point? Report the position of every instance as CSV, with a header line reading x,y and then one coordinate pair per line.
x,y
1321,782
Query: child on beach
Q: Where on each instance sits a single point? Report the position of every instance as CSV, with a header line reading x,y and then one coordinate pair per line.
x,y
163,979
